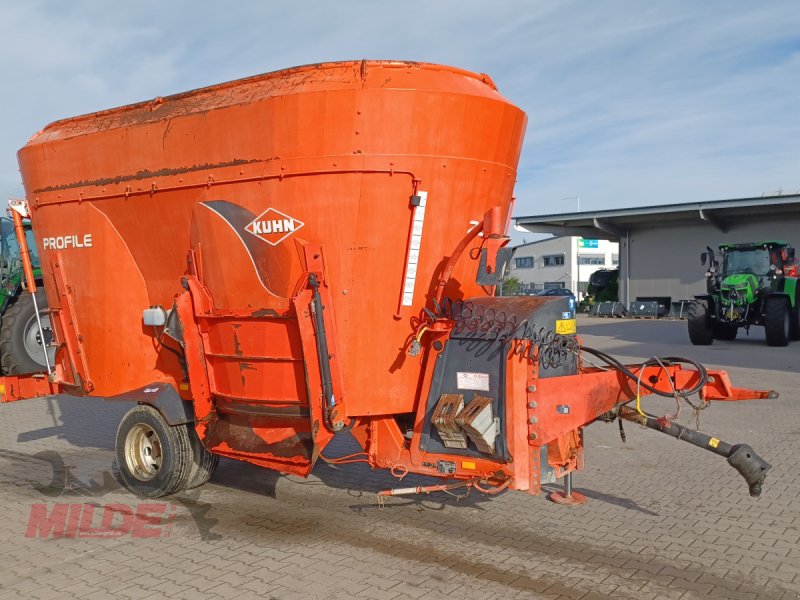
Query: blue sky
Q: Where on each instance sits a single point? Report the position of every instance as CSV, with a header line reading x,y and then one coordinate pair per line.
x,y
629,103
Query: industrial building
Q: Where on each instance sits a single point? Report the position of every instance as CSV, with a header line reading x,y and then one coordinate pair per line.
x,y
660,246
565,262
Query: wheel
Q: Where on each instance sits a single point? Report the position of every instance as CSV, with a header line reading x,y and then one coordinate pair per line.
x,y
776,321
204,463
154,458
21,349
724,331
700,331
794,320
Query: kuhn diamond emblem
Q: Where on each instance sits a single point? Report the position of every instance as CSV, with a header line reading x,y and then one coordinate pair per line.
x,y
273,226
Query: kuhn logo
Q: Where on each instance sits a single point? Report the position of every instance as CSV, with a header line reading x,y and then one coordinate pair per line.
x,y
273,226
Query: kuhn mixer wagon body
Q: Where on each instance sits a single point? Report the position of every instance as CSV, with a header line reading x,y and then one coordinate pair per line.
x,y
264,263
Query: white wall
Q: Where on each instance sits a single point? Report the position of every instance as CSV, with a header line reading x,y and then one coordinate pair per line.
x,y
539,275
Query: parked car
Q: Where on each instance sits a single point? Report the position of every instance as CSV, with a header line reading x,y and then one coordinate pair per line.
x,y
556,292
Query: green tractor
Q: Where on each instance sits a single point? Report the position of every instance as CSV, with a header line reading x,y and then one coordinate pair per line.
x,y
21,347
752,284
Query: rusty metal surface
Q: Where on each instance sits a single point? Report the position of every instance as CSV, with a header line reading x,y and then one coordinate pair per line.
x,y
146,174
326,75
237,433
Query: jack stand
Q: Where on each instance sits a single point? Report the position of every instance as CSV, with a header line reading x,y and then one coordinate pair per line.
x,y
567,497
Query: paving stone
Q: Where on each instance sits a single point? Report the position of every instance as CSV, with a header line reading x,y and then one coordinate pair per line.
x,y
664,520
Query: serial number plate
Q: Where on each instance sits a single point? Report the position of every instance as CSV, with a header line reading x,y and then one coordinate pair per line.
x,y
472,381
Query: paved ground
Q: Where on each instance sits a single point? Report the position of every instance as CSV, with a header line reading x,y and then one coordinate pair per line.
x,y
665,520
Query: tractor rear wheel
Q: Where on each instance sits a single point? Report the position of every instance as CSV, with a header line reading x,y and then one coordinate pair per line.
x,y
776,321
724,331
700,330
154,458
21,347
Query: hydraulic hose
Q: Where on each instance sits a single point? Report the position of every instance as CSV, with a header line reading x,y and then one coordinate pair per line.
x,y
613,362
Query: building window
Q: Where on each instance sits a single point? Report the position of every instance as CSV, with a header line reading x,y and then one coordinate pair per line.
x,y
615,259
526,262
591,259
553,260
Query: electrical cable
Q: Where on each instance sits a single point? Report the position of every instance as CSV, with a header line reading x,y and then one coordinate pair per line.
x,y
346,460
495,490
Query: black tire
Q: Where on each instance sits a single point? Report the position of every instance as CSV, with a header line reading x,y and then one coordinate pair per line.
x,y
19,336
724,331
776,321
699,322
162,470
794,319
204,463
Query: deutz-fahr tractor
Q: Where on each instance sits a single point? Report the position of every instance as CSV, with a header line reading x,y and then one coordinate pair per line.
x,y
21,348
752,284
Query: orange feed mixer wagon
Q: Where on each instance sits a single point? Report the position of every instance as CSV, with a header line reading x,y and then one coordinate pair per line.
x,y
265,263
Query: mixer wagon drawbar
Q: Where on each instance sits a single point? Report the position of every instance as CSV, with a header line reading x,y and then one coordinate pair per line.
x,y
265,263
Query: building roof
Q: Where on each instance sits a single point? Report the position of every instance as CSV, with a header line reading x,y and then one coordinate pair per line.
x,y
615,223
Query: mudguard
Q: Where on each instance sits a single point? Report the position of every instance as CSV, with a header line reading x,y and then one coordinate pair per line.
x,y
164,398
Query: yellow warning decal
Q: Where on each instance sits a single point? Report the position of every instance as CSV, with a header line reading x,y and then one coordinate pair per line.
x,y
2,389
467,464
566,326
184,387
713,442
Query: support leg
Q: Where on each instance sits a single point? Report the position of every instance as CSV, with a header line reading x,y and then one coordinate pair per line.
x,y
567,497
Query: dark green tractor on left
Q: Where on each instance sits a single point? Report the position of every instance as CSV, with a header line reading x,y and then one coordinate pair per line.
x,y
21,345
752,284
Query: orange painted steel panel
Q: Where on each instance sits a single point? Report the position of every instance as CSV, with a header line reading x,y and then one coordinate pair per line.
x,y
339,147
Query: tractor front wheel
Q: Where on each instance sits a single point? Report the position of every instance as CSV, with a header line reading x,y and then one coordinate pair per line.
x,y
776,321
700,331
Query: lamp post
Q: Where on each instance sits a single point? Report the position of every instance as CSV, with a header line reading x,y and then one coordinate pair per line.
x,y
577,286
577,289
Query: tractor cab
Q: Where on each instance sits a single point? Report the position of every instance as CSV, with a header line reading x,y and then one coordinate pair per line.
x,y
769,261
11,262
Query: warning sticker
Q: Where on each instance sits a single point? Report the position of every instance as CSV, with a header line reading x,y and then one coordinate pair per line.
x,y
566,326
472,381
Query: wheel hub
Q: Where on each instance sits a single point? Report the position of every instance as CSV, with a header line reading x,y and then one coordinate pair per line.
x,y
143,455
33,339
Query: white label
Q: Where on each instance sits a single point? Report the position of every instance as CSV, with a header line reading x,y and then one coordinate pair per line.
x,y
472,381
413,250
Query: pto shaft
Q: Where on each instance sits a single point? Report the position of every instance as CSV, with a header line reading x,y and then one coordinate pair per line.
x,y
740,456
